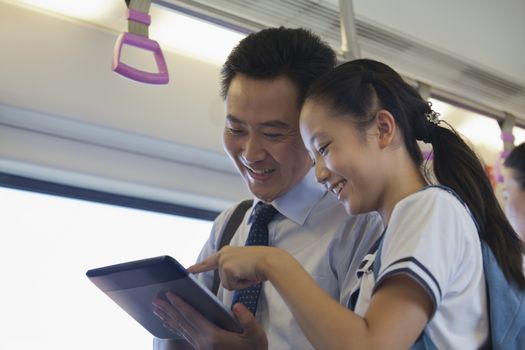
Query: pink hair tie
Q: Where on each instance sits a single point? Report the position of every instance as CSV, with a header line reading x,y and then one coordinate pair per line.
x,y
428,155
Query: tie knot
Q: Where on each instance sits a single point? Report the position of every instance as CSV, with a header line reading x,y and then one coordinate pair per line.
x,y
263,213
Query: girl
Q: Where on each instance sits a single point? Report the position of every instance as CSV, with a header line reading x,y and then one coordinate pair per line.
x,y
361,123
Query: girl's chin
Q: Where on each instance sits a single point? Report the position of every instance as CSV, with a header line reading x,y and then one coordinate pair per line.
x,y
352,209
348,207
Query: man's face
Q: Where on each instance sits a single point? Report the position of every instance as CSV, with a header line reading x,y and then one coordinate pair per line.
x,y
262,137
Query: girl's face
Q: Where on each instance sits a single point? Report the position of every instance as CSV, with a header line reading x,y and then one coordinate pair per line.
x,y
346,160
514,202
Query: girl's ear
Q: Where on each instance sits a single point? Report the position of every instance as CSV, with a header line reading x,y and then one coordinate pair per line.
x,y
386,125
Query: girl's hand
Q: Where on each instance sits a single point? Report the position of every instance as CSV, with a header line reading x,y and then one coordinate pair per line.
x,y
241,267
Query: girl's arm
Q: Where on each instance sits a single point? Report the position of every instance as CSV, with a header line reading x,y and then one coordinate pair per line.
x,y
398,312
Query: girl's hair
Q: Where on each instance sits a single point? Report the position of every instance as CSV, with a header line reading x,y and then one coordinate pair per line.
x,y
516,162
358,89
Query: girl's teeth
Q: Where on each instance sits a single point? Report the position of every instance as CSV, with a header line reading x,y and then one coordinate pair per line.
x,y
338,187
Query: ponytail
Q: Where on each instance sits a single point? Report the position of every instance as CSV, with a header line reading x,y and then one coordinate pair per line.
x,y
458,167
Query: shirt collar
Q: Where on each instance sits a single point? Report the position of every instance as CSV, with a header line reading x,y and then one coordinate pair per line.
x,y
297,203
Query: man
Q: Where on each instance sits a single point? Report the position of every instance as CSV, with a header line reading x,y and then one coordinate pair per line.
x,y
264,81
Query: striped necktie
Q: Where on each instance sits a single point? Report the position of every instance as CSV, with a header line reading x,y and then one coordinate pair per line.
x,y
258,235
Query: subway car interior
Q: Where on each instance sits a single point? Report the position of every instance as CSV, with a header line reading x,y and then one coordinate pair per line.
x,y
100,166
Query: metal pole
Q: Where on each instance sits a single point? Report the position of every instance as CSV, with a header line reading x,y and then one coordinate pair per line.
x,y
349,46
424,90
507,126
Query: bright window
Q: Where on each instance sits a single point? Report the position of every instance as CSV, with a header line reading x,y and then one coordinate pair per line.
x,y
48,243
519,135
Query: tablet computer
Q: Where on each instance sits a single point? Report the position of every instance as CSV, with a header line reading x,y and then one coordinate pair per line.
x,y
133,286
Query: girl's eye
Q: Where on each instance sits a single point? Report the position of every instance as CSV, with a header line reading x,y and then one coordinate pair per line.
x,y
323,150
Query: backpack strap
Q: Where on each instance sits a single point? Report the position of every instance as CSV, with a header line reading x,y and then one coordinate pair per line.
x,y
229,230
376,265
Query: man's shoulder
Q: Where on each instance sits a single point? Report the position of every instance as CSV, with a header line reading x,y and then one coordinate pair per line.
x,y
330,206
219,226
226,214
221,221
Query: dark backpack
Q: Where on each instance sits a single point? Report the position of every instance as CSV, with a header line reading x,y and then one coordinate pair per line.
x,y
229,230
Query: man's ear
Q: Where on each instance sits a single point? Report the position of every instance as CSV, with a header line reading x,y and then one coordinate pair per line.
x,y
386,125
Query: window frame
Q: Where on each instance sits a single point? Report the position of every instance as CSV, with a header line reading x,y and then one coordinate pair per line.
x,y
75,192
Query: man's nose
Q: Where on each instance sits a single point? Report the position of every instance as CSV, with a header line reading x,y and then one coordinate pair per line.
x,y
253,149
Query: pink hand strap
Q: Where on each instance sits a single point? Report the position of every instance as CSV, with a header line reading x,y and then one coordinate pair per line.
x,y
140,41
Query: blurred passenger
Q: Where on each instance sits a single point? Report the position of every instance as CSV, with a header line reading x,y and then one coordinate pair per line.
x,y
514,189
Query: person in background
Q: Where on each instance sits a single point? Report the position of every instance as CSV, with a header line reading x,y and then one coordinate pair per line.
x,y
264,82
514,189
423,284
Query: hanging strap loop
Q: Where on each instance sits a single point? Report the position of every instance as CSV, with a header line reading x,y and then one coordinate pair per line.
x,y
138,36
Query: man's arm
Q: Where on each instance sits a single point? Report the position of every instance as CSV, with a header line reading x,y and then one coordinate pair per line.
x,y
220,338
209,248
202,334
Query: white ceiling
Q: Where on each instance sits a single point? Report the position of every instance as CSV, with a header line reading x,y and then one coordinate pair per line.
x,y
488,33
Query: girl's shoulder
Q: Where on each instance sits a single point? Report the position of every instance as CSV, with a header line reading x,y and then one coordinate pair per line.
x,y
433,198
433,211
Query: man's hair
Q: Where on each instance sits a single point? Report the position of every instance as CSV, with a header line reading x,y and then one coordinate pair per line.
x,y
296,54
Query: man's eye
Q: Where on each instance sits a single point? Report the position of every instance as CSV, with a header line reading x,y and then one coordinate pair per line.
x,y
273,136
234,131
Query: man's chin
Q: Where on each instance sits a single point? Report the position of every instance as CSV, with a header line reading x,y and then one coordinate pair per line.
x,y
264,195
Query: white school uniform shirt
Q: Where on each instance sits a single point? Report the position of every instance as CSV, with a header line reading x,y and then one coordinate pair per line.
x,y
314,228
433,239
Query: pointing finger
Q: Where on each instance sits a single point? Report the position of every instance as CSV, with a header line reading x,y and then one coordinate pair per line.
x,y
211,263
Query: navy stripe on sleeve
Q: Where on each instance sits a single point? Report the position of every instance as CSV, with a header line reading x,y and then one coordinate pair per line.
x,y
421,266
416,277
